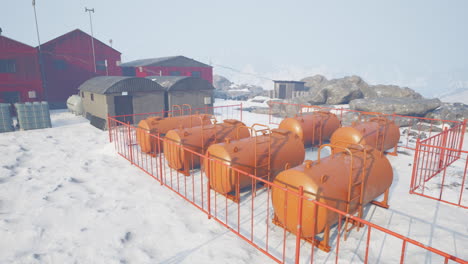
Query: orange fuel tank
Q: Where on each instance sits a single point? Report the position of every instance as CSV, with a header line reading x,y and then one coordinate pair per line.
x,y
378,132
330,181
198,139
153,125
263,156
314,128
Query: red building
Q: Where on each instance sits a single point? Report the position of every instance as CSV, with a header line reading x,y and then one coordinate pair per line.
x,y
168,66
69,61
20,78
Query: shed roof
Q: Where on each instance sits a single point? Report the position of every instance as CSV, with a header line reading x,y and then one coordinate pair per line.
x,y
182,83
118,84
281,81
172,61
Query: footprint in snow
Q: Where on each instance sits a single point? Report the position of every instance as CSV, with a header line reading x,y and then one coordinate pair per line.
x,y
128,236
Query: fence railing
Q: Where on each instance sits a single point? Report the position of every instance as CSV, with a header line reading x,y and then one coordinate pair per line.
x,y
438,172
225,111
251,218
415,127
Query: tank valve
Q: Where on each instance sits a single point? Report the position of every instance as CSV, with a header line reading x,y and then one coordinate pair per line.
x,y
308,164
324,178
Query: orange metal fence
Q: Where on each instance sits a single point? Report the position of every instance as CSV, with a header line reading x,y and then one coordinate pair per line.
x,y
414,127
439,167
252,217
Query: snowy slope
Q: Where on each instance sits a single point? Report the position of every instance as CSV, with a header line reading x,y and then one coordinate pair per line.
x,y
66,197
459,96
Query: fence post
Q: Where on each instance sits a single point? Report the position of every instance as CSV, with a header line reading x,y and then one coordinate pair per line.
x,y
442,152
130,142
109,128
241,110
208,189
462,137
299,224
270,105
415,162
159,153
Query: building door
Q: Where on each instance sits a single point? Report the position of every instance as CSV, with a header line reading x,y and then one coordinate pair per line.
x,y
124,107
282,91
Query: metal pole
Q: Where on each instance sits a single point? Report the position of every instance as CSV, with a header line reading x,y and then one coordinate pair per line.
x,y
92,35
299,224
41,63
107,68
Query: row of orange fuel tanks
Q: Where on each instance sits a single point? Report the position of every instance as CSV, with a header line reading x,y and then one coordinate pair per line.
x,y
354,174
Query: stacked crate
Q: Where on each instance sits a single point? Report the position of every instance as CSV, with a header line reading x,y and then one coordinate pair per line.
x,y
33,115
6,122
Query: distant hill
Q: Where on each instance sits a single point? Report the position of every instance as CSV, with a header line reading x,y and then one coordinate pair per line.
x,y
457,96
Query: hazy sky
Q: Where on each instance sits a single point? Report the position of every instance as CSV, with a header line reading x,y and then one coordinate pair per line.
x,y
421,44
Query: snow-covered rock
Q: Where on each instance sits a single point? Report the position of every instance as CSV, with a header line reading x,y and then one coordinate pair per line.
x,y
400,106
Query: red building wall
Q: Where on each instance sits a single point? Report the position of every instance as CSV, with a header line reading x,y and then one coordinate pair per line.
x,y
68,62
206,72
26,76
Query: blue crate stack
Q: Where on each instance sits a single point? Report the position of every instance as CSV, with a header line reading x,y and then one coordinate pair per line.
x,y
33,115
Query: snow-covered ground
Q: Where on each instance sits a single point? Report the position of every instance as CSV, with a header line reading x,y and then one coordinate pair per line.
x,y
67,197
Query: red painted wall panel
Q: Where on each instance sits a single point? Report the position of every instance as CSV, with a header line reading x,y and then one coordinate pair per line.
x,y
26,76
206,72
75,50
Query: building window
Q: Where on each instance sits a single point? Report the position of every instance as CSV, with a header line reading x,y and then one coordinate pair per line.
x,y
82,94
101,65
196,74
174,73
92,97
60,65
7,66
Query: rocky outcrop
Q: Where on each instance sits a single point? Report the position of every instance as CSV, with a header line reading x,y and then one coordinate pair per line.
x,y
285,110
312,98
315,82
342,91
226,89
400,106
221,82
450,111
392,91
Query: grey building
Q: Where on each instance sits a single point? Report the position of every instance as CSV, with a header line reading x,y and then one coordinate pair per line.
x,y
117,95
286,89
186,90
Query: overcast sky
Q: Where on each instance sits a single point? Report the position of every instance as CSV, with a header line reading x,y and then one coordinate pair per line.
x,y
419,43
